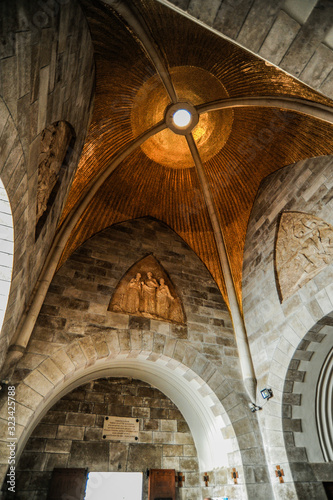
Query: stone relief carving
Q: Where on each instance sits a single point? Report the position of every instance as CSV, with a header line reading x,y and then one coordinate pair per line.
x,y
55,140
304,246
147,291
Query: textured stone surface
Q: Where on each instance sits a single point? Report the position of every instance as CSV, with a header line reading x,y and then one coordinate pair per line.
x,y
70,435
37,89
290,34
283,336
75,330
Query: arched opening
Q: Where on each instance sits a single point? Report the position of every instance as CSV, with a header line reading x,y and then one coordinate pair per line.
x,y
307,409
192,396
6,250
202,414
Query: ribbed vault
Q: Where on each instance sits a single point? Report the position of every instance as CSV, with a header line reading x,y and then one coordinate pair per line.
x,y
242,147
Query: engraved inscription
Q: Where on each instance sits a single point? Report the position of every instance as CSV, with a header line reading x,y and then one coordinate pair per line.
x,y
121,429
304,246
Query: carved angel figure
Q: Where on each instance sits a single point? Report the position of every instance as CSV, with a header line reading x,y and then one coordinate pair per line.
x,y
149,293
133,294
163,298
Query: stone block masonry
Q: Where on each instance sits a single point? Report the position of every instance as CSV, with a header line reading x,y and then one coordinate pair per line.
x,y
47,75
71,435
75,331
276,30
78,298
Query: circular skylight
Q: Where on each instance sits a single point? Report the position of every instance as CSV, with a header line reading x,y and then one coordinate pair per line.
x,y
181,118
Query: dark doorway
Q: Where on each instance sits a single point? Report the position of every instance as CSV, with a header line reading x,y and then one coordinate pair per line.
x,y
329,490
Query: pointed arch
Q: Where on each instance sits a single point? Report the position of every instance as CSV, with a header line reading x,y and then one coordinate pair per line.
x,y
196,400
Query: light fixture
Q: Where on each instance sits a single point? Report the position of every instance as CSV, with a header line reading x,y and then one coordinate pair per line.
x,y
266,393
253,407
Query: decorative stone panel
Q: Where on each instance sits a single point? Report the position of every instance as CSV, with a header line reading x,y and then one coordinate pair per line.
x,y
56,139
146,290
304,247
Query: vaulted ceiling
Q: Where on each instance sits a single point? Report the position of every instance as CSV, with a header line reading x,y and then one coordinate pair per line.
x,y
121,178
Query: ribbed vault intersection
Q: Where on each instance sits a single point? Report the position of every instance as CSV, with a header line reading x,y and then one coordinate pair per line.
x,y
254,119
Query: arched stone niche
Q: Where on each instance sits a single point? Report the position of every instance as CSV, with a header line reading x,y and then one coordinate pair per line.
x,y
191,395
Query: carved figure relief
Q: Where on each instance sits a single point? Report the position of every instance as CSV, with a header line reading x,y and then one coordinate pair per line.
x,y
55,140
149,294
133,294
147,291
304,246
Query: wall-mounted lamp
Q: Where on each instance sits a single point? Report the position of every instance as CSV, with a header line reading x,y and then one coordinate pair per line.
x,y
266,393
253,407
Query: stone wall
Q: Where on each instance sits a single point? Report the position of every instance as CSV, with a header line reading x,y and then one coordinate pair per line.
x,y
76,334
47,75
77,302
296,36
303,448
70,435
276,330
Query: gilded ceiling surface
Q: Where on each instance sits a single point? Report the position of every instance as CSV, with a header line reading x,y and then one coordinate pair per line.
x,y
238,147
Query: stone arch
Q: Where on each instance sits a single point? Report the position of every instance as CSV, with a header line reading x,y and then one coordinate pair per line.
x,y
275,329
79,363
75,331
303,405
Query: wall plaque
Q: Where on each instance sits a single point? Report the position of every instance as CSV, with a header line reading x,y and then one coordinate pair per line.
x,y
121,429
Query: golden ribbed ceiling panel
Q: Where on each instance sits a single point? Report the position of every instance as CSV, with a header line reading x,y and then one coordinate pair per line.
x,y
240,147
139,189
121,69
262,141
